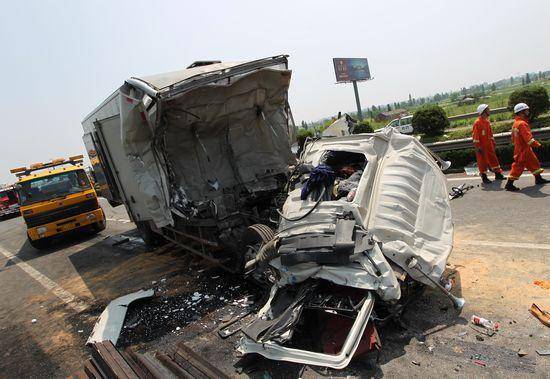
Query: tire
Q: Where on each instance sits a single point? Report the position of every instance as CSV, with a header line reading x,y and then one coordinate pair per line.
x,y
148,236
39,244
257,233
99,226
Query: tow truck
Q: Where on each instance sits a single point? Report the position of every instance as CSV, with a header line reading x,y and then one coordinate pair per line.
x,y
55,198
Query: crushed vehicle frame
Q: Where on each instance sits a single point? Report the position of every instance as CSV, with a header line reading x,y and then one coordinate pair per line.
x,y
366,212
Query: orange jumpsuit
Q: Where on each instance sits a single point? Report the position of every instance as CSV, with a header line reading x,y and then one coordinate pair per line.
x,y
484,142
524,157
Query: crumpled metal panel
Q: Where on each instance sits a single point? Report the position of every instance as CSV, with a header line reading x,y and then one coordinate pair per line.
x,y
410,210
274,351
109,323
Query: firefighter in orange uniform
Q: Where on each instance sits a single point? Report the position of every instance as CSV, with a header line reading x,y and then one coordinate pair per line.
x,y
484,143
524,157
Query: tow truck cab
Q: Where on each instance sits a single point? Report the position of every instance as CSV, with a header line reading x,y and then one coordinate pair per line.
x,y
55,198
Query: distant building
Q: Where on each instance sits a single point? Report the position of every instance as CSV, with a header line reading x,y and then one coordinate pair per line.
x,y
387,116
466,100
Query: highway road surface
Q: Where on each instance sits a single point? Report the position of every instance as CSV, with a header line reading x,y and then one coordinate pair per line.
x,y
49,300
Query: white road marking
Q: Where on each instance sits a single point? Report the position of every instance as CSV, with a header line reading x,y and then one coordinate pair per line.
x,y
46,282
519,245
118,220
467,178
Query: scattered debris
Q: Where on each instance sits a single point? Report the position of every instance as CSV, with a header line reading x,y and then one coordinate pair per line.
x,y
487,332
416,363
462,334
145,321
33,321
543,352
471,169
521,352
543,284
480,363
121,241
233,325
543,316
459,191
488,324
479,338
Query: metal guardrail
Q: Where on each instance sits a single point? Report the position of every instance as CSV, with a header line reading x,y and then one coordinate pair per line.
x,y
500,139
474,114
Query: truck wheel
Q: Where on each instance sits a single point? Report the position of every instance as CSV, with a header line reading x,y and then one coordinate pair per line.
x,y
253,238
39,244
99,226
150,238
257,233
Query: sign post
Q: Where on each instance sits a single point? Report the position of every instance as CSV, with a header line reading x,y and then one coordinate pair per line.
x,y
357,101
352,70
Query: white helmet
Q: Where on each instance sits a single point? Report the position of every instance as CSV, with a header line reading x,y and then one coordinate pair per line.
x,y
520,107
481,108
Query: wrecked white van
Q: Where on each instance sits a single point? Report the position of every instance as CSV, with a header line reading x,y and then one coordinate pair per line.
x,y
367,219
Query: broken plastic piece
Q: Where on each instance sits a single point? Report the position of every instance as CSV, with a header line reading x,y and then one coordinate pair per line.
x,y
110,322
543,284
543,316
521,352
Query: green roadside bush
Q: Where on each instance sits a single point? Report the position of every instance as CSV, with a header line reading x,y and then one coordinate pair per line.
x,y
363,127
430,120
534,96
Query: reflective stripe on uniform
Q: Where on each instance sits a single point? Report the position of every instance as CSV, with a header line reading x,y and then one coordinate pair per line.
x,y
536,172
531,141
476,141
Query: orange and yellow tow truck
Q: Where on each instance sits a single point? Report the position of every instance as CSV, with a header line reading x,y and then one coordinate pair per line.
x,y
57,197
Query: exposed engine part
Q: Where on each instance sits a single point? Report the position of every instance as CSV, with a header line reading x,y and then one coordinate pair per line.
x,y
458,302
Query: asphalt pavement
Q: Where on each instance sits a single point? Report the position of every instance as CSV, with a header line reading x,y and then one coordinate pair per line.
x,y
50,299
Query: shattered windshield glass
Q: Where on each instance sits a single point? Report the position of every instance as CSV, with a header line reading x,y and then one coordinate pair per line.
x,y
53,186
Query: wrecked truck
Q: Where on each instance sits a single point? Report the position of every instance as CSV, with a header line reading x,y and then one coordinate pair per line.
x,y
198,156
366,224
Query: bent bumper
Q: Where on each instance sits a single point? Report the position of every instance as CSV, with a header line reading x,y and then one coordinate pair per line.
x,y
67,224
9,211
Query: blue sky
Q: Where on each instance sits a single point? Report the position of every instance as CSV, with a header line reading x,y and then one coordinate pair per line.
x,y
62,58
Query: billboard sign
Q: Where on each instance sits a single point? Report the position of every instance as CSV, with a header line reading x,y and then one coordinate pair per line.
x,y
351,69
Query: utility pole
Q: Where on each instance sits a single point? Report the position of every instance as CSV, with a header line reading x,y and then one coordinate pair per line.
x,y
357,101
